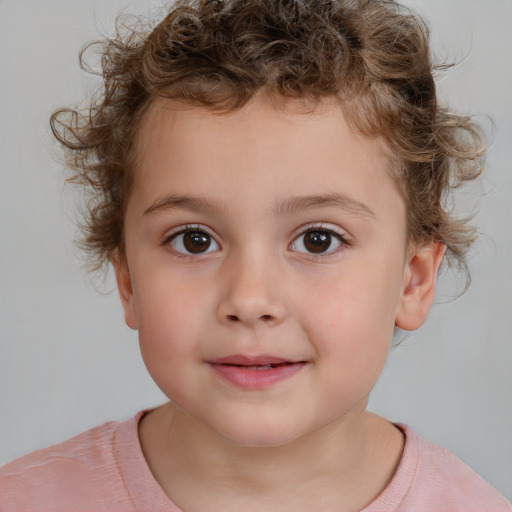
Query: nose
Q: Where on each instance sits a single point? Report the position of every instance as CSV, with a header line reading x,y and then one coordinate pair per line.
x,y
251,293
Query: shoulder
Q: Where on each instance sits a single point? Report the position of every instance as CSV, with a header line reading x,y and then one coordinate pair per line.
x,y
77,474
444,482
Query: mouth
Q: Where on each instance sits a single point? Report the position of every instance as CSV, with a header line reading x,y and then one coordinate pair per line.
x,y
256,372
260,366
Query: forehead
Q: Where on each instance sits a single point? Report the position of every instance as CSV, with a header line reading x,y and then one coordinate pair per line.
x,y
286,148
257,123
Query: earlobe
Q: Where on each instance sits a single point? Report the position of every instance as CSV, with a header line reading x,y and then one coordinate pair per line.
x,y
419,286
125,288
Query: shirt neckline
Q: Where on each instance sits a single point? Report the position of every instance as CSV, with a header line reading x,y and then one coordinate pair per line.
x,y
399,486
146,493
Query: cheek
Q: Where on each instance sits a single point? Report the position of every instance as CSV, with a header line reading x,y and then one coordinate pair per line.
x,y
353,303
352,349
167,300
168,324
168,346
352,320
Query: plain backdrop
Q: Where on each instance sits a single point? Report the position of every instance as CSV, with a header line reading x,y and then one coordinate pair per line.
x,y
67,360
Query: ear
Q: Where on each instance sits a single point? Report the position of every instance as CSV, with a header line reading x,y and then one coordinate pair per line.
x,y
125,287
419,286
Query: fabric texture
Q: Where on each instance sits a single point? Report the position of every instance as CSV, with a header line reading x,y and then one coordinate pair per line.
x,y
103,469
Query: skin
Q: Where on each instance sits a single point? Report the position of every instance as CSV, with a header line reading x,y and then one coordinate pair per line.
x,y
258,290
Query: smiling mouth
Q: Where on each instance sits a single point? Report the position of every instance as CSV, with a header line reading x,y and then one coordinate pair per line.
x,y
262,366
253,360
255,372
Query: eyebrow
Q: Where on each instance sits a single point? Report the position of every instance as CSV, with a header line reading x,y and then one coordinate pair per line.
x,y
336,200
284,207
186,202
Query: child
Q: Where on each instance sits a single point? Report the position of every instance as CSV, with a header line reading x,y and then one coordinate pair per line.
x,y
267,180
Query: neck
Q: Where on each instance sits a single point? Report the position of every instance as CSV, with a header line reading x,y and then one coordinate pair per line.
x,y
340,460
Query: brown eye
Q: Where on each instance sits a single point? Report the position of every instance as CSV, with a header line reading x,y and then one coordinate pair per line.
x,y
318,241
196,241
193,241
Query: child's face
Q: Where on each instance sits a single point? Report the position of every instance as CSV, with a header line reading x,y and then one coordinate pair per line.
x,y
263,234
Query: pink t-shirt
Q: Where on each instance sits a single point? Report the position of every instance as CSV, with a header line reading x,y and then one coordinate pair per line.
x,y
103,469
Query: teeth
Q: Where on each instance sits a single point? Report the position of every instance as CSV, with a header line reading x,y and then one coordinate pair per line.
x,y
261,367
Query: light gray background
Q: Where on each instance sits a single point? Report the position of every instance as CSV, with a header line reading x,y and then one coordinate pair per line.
x,y
69,363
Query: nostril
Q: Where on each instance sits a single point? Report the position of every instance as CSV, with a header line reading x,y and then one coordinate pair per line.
x,y
233,318
266,317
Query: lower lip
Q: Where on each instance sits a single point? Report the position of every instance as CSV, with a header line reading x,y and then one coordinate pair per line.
x,y
250,378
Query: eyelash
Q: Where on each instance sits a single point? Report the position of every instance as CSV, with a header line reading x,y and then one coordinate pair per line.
x,y
323,229
310,228
182,230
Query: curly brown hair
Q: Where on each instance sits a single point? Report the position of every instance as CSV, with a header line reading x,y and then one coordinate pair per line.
x,y
372,54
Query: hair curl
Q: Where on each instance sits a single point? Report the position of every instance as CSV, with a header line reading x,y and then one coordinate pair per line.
x,y
371,54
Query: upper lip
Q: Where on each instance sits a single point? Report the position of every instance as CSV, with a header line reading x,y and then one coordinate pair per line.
x,y
257,360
